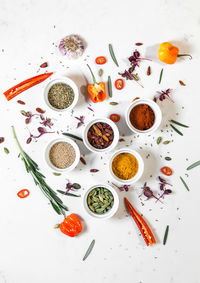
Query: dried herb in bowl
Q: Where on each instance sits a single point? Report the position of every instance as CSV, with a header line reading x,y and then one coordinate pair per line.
x,y
61,95
100,200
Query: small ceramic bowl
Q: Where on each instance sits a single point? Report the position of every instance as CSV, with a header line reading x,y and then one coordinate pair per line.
x,y
156,109
115,131
140,166
63,80
109,213
72,143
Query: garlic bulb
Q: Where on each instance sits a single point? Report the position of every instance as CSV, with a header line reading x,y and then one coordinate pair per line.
x,y
72,46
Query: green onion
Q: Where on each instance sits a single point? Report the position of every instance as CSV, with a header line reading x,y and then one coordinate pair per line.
x,y
166,235
194,165
176,130
109,86
177,123
184,183
161,74
89,250
72,136
112,54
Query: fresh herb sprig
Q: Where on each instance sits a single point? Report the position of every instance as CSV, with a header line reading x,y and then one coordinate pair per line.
x,y
176,130
89,250
161,74
179,124
112,54
73,136
184,183
109,86
39,179
197,163
166,235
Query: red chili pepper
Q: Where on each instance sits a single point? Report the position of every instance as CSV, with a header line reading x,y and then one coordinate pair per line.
x,y
15,90
100,60
119,84
23,193
71,226
166,171
115,117
142,225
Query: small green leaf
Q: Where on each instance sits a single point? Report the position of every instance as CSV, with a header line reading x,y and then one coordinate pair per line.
x,y
194,165
176,130
6,150
89,250
184,183
179,124
112,54
109,86
166,235
56,174
159,139
161,74
113,103
166,142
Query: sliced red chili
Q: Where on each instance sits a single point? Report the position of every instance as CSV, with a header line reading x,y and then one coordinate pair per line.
x,y
115,117
23,193
100,60
166,171
119,84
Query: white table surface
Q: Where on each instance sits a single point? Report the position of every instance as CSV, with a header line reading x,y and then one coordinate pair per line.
x,y
30,249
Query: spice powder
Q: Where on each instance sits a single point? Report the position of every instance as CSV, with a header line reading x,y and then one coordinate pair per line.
x,y
61,96
142,117
125,166
62,155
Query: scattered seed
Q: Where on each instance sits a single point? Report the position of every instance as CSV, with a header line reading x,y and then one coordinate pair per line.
x,y
94,170
29,140
166,142
113,103
2,139
44,65
182,83
149,71
83,160
159,139
20,102
121,140
6,150
56,174
168,158
100,72
139,44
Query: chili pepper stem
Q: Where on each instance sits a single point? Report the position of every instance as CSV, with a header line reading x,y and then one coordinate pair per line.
x,y
93,77
182,55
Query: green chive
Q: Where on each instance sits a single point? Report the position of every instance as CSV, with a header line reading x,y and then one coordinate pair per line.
x,y
6,150
89,250
112,54
194,165
72,136
176,130
113,103
109,86
166,235
184,183
177,123
161,74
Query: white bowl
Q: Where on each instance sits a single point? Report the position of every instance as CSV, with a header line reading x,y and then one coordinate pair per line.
x,y
109,213
77,151
115,131
156,110
139,173
64,80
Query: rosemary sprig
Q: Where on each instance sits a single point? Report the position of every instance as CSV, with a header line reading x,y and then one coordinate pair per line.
x,y
72,136
194,165
39,179
112,54
179,124
166,235
161,74
176,130
89,250
109,86
184,183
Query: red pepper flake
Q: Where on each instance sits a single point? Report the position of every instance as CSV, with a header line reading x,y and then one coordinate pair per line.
x,y
121,140
182,83
83,160
23,193
39,110
2,139
139,44
149,71
44,65
21,102
94,170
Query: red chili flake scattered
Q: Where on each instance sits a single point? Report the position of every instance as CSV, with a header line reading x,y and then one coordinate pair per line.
x,y
2,139
39,110
20,102
83,160
44,65
121,140
139,44
182,83
94,170
149,71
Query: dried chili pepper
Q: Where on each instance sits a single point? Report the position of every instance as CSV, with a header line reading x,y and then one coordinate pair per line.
x,y
96,90
71,226
142,225
23,193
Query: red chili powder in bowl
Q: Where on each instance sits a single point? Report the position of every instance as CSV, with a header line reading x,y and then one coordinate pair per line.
x,y
142,117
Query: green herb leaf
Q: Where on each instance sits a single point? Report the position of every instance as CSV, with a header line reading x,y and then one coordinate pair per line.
x,y
159,139
6,150
72,136
56,174
166,142
184,183
76,186
112,54
176,130
89,250
100,72
161,74
177,123
194,165
68,194
109,86
166,235
113,103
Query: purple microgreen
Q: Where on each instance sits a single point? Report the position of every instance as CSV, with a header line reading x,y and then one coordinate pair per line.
x,y
122,188
46,122
81,121
72,187
90,109
163,181
166,192
147,192
41,131
165,94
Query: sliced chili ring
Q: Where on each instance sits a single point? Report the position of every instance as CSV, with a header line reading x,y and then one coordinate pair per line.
x,y
166,171
115,118
119,84
100,60
23,193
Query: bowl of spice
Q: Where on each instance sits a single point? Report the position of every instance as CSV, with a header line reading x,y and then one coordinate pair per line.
x,y
62,155
100,135
101,201
143,116
126,166
61,94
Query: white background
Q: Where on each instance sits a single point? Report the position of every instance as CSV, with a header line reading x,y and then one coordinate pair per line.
x,y
30,249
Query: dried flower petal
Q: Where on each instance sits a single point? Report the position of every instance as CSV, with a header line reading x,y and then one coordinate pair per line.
x,y
72,46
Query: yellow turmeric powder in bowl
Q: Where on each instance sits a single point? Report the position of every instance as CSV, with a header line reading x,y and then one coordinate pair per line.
x,y
125,166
